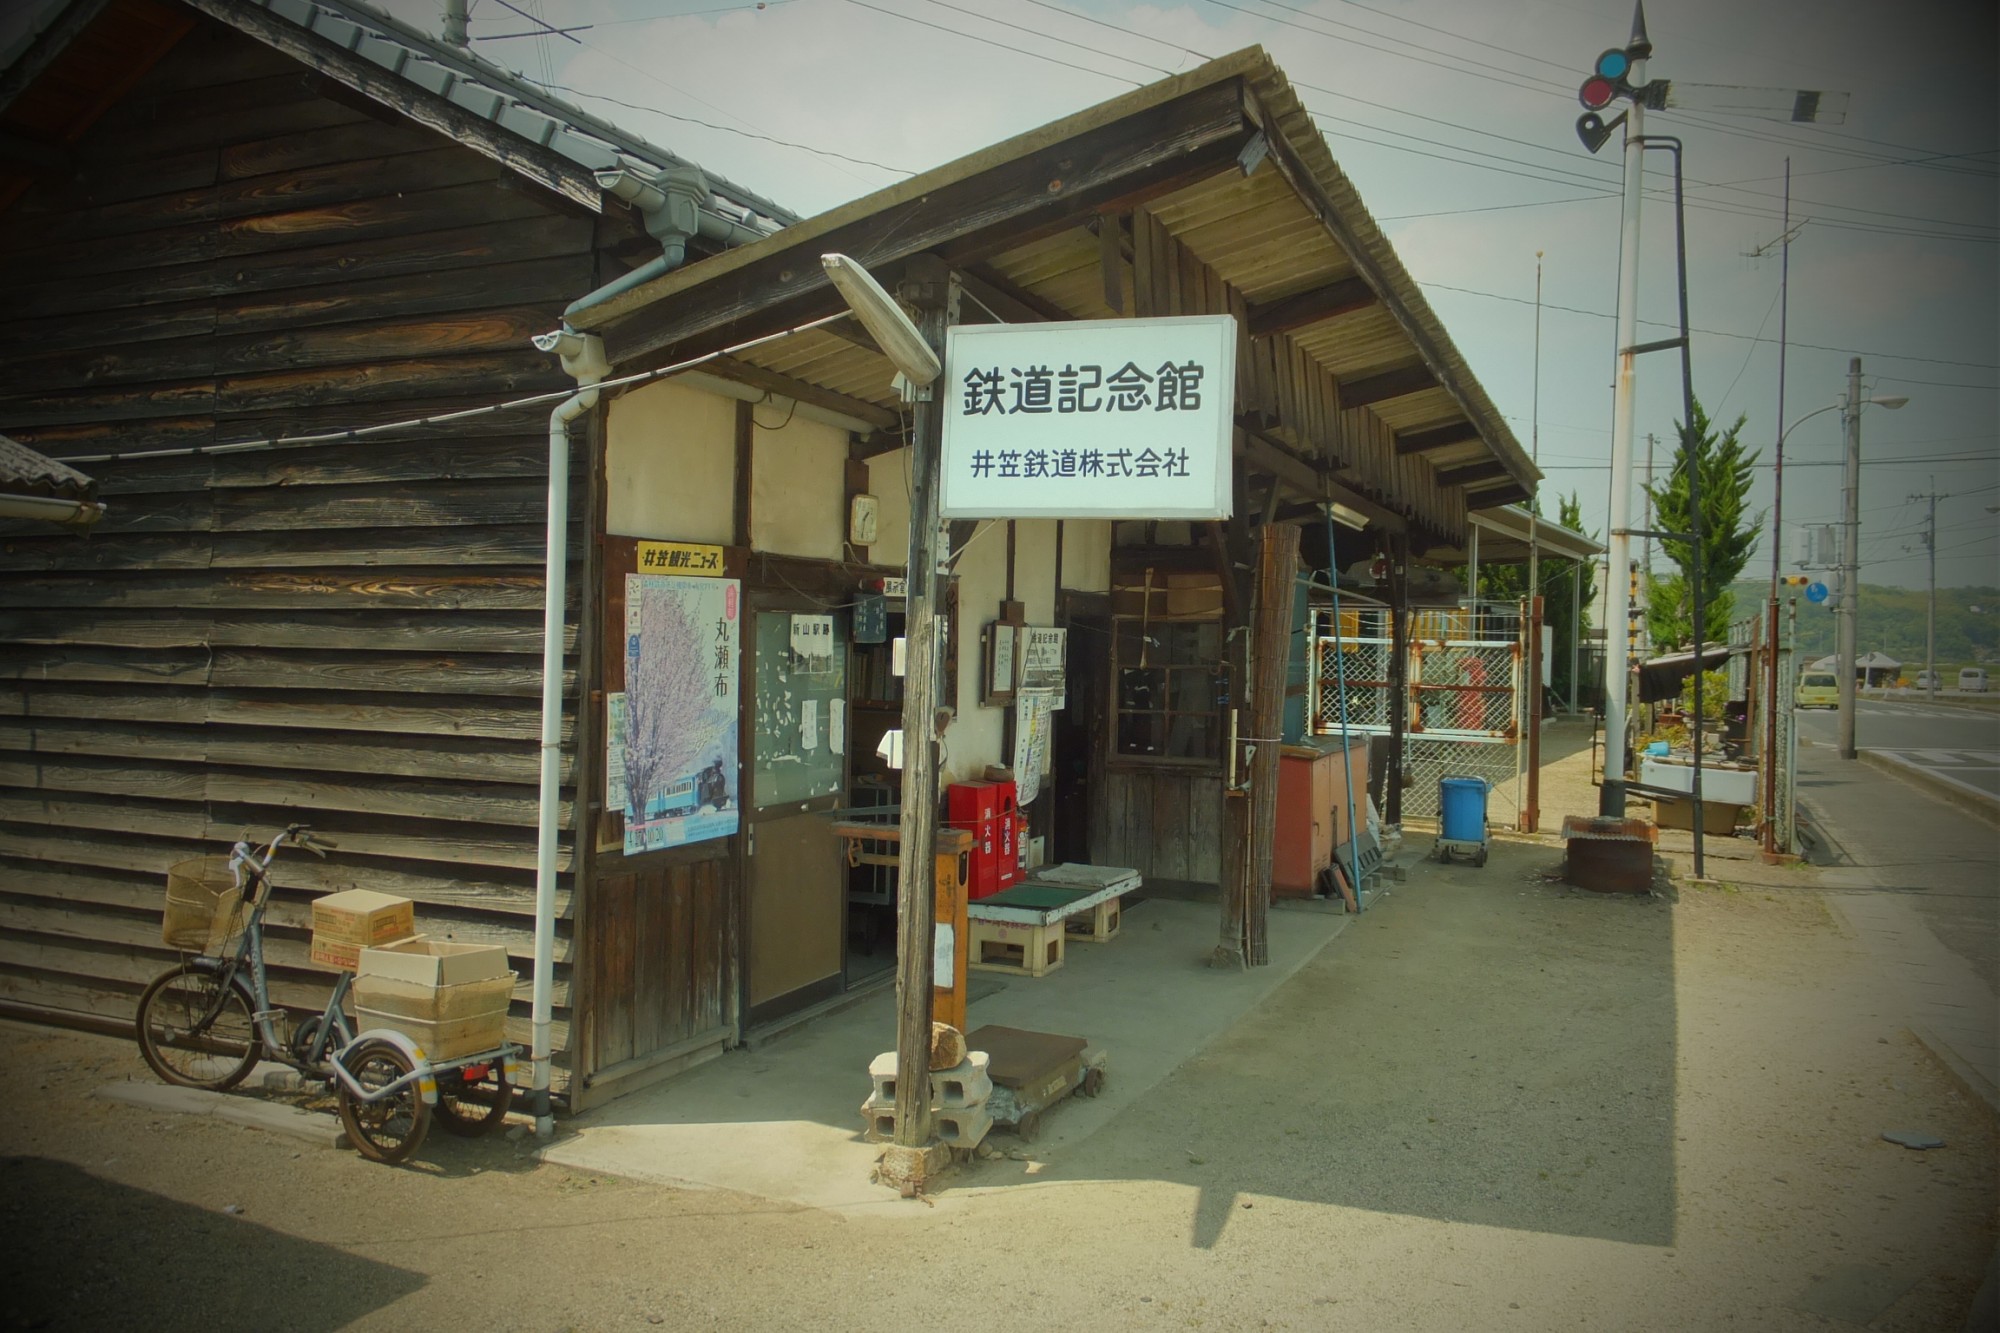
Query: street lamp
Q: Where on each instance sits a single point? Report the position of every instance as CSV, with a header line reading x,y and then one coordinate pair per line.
x,y
1850,557
913,350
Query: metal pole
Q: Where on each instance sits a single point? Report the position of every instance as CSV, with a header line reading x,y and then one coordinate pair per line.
x,y
1850,556
1535,446
1576,569
1644,587
1618,615
916,908
1930,614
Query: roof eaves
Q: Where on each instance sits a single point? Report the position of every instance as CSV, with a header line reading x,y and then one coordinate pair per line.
x,y
1379,266
505,97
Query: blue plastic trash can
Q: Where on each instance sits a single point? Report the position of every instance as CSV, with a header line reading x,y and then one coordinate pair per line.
x,y
1462,802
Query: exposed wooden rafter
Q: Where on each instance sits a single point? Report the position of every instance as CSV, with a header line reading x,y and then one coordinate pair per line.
x,y
1439,437
1389,384
729,368
1471,472
1310,307
1505,495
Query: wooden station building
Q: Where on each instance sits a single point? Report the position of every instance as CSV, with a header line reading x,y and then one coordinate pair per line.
x,y
227,221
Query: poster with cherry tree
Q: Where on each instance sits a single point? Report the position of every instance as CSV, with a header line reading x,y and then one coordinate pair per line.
x,y
678,717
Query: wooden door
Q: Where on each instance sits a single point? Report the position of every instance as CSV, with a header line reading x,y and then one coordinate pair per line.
x,y
794,879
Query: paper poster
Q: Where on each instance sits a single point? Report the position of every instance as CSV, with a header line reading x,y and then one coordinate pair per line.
x,y
944,956
1042,648
808,724
614,752
836,725
1032,721
812,644
683,638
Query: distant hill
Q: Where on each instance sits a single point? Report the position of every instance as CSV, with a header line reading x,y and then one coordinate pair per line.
x,y
1891,620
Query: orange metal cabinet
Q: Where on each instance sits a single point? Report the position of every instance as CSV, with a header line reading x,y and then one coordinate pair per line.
x,y
1313,782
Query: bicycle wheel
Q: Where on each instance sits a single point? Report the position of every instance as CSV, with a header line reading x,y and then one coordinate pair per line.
x,y
473,1100
196,1033
388,1130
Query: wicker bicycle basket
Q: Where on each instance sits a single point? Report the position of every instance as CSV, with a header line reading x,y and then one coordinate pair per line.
x,y
204,904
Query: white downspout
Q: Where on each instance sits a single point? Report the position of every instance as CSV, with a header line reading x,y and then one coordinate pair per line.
x,y
583,359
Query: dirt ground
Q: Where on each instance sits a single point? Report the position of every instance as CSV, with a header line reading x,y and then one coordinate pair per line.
x,y
1492,1102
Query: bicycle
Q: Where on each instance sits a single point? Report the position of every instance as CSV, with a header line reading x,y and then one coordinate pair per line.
x,y
206,1024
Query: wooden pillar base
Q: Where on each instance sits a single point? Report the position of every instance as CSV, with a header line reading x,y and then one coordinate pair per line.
x,y
906,1170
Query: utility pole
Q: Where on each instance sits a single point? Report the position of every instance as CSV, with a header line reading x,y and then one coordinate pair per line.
x,y
1645,586
1617,621
1930,612
1850,555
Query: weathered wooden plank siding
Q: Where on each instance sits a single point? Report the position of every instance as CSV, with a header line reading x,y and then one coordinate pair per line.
x,y
348,635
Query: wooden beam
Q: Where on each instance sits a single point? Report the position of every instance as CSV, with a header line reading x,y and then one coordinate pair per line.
x,y
729,368
1114,250
1505,495
1459,476
966,220
1440,437
1313,482
43,159
1310,307
1389,384
1002,299
851,330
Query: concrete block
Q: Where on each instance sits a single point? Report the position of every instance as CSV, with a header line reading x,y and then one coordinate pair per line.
x,y
962,1127
275,1118
161,1097
965,1085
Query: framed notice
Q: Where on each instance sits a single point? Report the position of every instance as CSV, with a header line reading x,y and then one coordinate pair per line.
x,y
1111,418
673,733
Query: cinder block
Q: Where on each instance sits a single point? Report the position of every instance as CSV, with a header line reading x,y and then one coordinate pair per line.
x,y
962,1127
966,1084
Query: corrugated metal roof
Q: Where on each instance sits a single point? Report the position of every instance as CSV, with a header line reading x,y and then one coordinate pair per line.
x,y
506,97
25,472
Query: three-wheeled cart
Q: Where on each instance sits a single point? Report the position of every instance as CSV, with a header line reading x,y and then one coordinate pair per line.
x,y
389,1092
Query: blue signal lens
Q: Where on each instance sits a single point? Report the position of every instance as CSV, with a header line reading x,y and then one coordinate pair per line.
x,y
1614,64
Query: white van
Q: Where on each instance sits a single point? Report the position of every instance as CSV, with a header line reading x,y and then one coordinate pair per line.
x,y
1972,680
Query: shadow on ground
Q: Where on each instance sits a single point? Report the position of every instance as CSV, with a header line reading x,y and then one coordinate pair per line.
x,y
87,1253
1484,1046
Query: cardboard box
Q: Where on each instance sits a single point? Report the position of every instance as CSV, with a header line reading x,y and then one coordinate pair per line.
x,y
415,999
445,1039
434,963
362,917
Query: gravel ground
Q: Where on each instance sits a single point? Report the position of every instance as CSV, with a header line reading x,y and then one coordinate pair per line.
x,y
1492,1102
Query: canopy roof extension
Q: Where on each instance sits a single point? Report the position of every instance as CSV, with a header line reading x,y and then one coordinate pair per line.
x,y
35,487
1504,538
1211,192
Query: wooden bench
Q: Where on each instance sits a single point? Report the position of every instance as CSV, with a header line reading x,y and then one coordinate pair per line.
x,y
1025,929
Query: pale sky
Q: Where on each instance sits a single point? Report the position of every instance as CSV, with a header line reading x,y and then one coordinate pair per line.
x,y
1455,119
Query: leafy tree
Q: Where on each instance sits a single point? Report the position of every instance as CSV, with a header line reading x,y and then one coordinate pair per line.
x,y
1728,536
1557,576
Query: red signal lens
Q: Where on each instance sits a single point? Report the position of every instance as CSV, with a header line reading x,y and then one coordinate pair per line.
x,y
1596,93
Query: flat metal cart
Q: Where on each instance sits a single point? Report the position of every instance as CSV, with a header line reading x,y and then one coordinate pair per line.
x,y
1032,1071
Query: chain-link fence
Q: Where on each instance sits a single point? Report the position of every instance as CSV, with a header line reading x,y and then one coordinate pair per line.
x,y
1463,696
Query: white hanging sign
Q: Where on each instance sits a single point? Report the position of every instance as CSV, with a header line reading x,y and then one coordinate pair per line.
x,y
1104,418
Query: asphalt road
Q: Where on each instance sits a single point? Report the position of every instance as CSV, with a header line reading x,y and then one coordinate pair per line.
x,y
1956,742
1944,861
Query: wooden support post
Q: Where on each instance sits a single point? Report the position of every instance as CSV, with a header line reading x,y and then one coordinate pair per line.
x,y
926,287
1531,719
1399,673
1277,562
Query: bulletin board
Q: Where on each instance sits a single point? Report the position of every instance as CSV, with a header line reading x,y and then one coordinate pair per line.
x,y
800,713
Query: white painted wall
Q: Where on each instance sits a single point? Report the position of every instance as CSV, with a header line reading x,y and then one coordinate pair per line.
x,y
670,465
798,490
1035,568
888,482
974,739
1087,555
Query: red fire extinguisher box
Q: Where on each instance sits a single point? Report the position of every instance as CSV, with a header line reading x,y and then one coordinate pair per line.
x,y
974,807
1007,815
